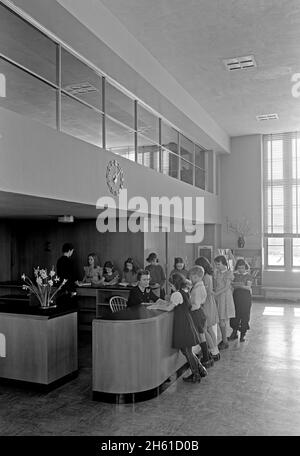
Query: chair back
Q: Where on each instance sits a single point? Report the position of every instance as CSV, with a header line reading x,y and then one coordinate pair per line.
x,y
117,303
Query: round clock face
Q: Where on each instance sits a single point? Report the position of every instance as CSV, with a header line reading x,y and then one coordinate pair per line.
x,y
114,177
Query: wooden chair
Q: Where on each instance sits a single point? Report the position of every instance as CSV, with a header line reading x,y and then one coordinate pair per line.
x,y
117,303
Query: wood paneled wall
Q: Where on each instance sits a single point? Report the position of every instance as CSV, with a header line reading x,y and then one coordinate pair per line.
x,y
29,243
5,252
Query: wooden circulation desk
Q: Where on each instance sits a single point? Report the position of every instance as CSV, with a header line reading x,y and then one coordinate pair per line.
x,y
93,302
132,353
36,345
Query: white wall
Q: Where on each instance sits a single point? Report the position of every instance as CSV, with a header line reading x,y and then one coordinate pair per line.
x,y
241,189
36,160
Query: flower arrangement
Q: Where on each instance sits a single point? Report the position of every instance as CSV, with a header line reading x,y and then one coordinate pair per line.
x,y
44,289
242,228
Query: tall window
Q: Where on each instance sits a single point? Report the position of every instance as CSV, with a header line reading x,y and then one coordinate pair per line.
x,y
282,200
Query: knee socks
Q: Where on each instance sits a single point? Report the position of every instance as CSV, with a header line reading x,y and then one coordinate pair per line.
x,y
204,349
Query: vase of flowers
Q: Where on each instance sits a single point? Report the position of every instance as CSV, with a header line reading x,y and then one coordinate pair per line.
x,y
44,289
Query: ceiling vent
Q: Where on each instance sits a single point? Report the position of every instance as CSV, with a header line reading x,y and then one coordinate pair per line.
x,y
79,89
267,117
240,63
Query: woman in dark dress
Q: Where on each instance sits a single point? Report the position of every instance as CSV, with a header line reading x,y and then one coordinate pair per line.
x,y
186,326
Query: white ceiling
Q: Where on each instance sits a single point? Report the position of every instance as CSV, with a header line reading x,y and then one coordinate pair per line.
x,y
190,38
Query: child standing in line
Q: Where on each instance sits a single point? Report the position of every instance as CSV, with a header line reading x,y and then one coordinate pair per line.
x,y
210,307
223,295
198,297
242,300
179,267
185,327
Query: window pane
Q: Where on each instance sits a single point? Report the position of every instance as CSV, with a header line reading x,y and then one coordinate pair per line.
x,y
296,158
275,160
169,137
81,121
296,208
199,178
147,124
275,251
170,163
118,105
148,153
27,95
186,149
199,157
296,252
186,172
26,45
275,209
119,139
81,81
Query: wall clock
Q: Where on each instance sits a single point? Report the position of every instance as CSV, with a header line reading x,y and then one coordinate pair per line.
x,y
114,177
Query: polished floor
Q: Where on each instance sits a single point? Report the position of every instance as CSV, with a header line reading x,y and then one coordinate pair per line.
x,y
253,390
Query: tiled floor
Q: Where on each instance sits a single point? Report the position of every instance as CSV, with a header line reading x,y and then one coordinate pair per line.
x,y
253,390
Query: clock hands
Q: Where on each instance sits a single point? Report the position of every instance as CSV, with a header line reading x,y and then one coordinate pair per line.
x,y
115,177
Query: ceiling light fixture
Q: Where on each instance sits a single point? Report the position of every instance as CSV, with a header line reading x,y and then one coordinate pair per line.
x,y
81,88
240,63
262,117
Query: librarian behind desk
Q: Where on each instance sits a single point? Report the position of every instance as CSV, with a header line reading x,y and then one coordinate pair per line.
x,y
133,354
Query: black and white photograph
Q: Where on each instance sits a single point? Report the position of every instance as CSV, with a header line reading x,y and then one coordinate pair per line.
x,y
149,222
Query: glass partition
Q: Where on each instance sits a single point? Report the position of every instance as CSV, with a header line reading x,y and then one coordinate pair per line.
x,y
80,80
147,124
81,121
28,67
169,137
27,46
27,95
148,153
169,163
118,105
186,171
186,149
119,139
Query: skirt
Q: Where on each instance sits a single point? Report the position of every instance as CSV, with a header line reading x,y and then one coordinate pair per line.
x,y
211,311
225,305
183,335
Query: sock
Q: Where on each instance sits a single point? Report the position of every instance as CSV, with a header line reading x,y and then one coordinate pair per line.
x,y
204,349
214,351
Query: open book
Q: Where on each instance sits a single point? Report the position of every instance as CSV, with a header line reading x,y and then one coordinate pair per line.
x,y
161,304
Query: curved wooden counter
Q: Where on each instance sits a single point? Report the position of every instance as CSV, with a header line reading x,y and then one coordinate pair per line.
x,y
132,352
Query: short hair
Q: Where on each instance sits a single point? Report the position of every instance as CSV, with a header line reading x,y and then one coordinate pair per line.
x,y
178,280
67,247
151,257
197,270
142,272
96,259
241,262
205,264
221,259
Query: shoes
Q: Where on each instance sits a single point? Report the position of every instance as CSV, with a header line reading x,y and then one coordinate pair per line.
x,y
223,346
202,370
242,338
216,357
208,363
193,378
233,335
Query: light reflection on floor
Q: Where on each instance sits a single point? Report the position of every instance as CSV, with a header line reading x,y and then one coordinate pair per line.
x,y
253,390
